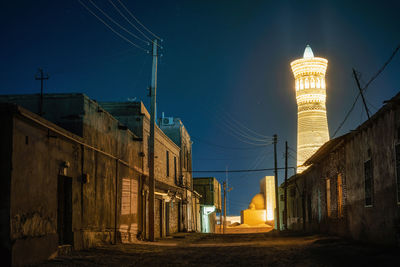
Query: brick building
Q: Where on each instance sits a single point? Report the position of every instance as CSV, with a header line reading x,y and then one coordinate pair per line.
x,y
352,187
210,203
173,152
76,176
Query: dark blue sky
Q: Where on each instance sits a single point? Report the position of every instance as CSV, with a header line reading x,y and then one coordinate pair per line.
x,y
222,60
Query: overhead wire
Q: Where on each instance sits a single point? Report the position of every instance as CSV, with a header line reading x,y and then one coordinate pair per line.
x,y
132,24
248,142
242,125
243,134
365,87
116,23
127,10
238,171
260,158
221,146
114,31
243,137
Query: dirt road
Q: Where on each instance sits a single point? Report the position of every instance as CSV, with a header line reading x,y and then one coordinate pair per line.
x,y
235,250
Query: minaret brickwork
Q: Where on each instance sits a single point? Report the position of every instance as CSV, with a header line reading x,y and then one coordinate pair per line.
x,y
312,123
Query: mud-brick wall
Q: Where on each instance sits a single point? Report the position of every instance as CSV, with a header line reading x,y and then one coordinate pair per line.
x,y
173,216
5,182
37,157
110,199
380,222
128,220
162,145
157,217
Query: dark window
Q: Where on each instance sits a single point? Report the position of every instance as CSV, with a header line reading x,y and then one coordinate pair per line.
x,y
398,171
187,160
167,163
369,183
328,197
184,158
292,192
398,133
175,174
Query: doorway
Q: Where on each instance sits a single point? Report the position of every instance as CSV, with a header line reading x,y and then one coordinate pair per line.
x,y
167,206
64,210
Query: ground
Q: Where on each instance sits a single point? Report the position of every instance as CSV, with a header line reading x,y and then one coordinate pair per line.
x,y
262,249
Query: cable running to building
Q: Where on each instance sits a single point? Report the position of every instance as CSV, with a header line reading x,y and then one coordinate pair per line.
x,y
114,31
130,13
365,87
236,171
119,25
224,147
132,24
240,133
248,129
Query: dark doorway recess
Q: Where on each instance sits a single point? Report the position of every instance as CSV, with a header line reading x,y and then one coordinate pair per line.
x,y
64,210
167,206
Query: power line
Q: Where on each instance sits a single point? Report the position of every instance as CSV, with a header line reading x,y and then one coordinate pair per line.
x,y
122,15
382,68
242,134
236,133
224,147
127,10
116,23
240,158
114,31
250,130
365,87
233,171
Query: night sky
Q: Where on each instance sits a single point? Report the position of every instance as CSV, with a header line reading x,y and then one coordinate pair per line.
x,y
224,64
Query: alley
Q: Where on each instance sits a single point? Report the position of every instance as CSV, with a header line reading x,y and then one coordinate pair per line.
x,y
269,249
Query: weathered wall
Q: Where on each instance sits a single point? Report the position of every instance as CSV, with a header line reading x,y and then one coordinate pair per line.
x,y
103,206
5,181
379,222
113,183
137,118
210,190
37,159
348,214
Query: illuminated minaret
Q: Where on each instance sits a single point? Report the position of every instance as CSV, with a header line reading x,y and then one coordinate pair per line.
x,y
312,124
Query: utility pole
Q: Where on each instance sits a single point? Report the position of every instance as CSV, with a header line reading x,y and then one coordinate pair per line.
x,y
153,114
285,196
276,185
224,207
220,221
361,92
40,76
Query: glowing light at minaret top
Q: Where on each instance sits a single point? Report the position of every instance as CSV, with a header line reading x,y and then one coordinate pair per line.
x,y
312,124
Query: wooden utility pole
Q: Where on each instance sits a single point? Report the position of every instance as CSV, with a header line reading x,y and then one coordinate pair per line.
x,y
153,114
40,76
361,92
224,207
285,196
276,185
220,221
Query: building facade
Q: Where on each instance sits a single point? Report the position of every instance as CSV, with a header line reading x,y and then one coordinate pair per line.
x,y
352,185
174,167
78,177
312,124
210,202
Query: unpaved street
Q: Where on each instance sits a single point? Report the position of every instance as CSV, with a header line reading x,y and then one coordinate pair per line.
x,y
235,250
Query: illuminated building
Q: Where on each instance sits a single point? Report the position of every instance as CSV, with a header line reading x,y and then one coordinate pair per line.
x,y
312,123
262,206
